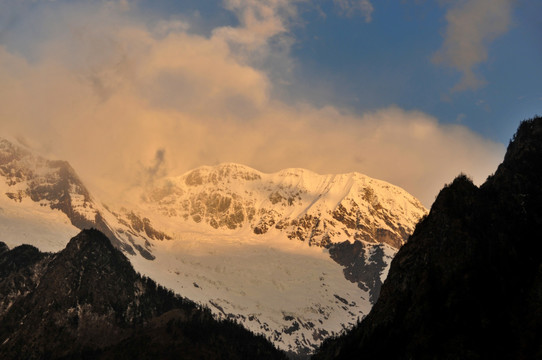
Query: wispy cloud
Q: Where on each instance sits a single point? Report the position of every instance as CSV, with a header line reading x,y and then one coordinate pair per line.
x,y
471,27
110,91
157,168
354,7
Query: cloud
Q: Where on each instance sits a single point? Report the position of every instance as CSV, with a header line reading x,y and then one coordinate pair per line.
x,y
110,96
157,169
260,21
262,38
352,7
472,26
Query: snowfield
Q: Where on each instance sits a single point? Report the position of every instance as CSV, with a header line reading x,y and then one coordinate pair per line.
x,y
278,287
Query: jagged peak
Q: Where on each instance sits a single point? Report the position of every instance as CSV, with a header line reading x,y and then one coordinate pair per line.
x,y
10,149
7,142
89,237
234,168
3,247
225,167
524,150
93,249
529,130
20,157
22,150
301,172
289,182
218,173
461,181
22,247
18,257
295,172
456,197
229,170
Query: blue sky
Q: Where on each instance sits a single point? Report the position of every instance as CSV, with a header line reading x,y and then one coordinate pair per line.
x,y
412,92
365,65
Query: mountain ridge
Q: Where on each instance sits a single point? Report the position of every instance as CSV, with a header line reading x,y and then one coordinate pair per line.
x,y
468,283
55,184
289,198
87,302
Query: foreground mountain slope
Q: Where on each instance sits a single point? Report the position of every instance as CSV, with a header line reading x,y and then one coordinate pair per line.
x,y
87,301
468,284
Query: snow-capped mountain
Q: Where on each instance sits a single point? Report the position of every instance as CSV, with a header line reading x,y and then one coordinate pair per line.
x,y
44,201
293,255
318,209
361,214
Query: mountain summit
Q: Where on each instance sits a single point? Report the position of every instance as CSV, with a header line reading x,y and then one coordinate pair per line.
x,y
317,209
468,284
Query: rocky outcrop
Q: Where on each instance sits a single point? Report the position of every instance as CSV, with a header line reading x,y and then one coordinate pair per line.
x,y
364,265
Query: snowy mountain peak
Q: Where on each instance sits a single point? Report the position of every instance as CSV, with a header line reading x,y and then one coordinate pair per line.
x,y
318,209
30,185
220,173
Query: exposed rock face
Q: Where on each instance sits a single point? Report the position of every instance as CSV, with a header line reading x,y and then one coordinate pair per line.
x,y
318,209
468,283
52,182
19,269
87,301
366,266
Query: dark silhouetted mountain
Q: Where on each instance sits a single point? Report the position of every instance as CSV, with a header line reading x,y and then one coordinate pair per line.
x,y
468,283
87,302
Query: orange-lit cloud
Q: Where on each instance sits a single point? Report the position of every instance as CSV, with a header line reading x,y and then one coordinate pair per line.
x,y
125,100
472,26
